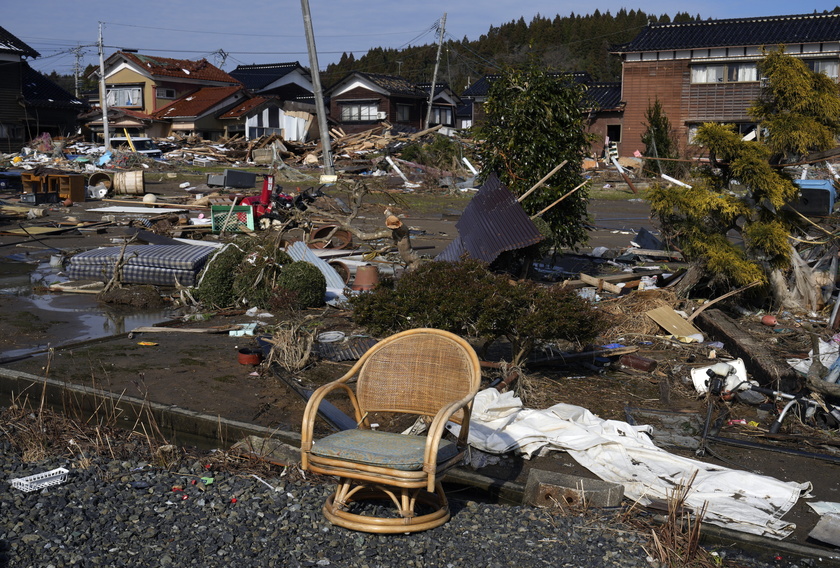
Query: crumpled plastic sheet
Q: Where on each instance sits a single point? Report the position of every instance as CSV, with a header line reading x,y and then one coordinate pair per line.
x,y
618,452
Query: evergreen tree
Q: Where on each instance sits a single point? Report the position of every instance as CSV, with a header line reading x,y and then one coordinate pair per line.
x,y
659,140
534,122
741,193
799,109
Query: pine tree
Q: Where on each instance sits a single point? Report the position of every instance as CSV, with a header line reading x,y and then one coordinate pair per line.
x,y
742,192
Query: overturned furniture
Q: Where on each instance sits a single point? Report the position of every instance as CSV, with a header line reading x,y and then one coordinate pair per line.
x,y
425,372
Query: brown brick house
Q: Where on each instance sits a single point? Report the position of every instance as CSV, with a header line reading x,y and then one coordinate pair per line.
x,y
705,71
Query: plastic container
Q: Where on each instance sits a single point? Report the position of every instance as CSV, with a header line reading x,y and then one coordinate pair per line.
x,y
41,480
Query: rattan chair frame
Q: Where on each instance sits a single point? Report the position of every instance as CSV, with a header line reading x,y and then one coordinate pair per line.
x,y
458,364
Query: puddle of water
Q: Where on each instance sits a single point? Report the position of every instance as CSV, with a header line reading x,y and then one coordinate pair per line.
x,y
71,318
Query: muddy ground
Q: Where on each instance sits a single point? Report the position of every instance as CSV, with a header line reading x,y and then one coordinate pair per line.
x,y
202,371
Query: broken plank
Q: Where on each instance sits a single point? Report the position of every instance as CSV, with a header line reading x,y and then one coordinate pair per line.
x,y
672,322
654,253
600,283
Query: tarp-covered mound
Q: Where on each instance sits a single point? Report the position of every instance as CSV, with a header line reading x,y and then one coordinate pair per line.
x,y
618,452
162,265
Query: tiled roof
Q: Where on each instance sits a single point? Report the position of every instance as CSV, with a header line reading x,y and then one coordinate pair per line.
x,y
604,96
481,87
197,103
10,44
393,84
255,77
770,31
243,107
41,92
201,70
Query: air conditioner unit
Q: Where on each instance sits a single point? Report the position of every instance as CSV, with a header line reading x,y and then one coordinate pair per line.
x,y
381,115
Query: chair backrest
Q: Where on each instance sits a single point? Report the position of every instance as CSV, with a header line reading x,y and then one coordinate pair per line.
x,y
418,371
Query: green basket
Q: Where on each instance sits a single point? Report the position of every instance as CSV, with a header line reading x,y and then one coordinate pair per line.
x,y
240,220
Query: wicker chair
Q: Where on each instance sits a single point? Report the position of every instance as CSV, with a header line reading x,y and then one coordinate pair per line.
x,y
424,372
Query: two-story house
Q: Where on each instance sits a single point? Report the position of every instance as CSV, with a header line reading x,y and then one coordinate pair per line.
x,y
138,86
705,71
361,100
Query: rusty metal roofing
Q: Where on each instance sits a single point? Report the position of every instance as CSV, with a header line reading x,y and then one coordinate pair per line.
x,y
492,223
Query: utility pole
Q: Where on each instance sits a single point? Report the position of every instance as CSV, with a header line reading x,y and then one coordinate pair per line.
x,y
434,74
103,92
326,146
77,67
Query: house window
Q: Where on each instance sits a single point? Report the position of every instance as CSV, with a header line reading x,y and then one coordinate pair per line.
x,y
354,112
165,93
125,97
728,73
403,113
614,132
441,115
741,72
828,66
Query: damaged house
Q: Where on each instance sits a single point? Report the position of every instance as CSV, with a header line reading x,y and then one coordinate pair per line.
x,y
30,104
140,85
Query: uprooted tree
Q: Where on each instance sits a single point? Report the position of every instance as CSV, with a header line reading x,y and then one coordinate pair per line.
x,y
533,123
731,224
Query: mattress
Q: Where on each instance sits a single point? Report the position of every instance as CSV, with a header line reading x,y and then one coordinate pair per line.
x,y
162,265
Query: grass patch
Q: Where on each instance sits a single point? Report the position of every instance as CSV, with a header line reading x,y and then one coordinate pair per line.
x,y
225,379
187,361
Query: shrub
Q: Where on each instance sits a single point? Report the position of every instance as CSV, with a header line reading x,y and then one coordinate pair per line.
x,y
300,285
465,298
242,273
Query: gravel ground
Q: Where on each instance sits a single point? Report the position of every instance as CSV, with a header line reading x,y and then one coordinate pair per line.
x,y
121,513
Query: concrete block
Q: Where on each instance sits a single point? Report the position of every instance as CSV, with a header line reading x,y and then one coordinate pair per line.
x,y
550,489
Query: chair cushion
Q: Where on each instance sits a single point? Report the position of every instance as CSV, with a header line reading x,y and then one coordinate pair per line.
x,y
384,449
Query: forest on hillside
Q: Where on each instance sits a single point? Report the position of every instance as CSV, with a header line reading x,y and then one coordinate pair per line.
x,y
562,43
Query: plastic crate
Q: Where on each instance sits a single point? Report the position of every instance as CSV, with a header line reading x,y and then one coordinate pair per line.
x,y
241,219
41,480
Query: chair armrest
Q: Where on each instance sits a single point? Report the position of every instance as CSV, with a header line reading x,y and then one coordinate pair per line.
x,y
311,412
436,430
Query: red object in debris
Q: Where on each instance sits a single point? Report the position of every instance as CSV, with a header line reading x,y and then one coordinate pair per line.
x,y
769,320
233,500
185,497
637,362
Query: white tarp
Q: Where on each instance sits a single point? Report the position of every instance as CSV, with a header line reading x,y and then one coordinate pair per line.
x,y
618,452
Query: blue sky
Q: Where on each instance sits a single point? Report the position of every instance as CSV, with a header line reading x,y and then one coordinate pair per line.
x,y
263,31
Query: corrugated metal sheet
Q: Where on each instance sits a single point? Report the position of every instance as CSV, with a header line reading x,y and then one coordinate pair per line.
x,y
350,349
492,223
